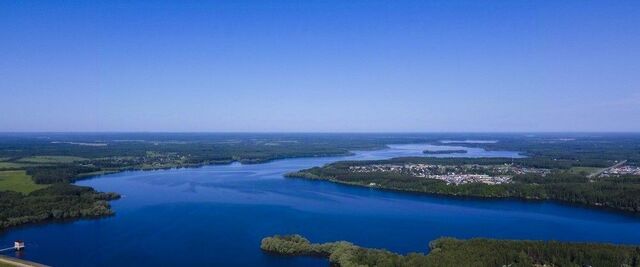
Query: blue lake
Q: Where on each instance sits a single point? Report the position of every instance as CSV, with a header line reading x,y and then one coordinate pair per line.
x,y
217,215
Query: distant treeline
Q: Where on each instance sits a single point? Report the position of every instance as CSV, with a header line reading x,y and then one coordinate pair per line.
x,y
592,149
117,152
450,252
200,147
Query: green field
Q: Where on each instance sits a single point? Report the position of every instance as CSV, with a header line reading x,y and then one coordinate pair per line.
x,y
17,181
51,159
13,165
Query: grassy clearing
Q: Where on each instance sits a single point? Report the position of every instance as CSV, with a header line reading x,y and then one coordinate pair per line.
x,y
17,181
51,159
13,165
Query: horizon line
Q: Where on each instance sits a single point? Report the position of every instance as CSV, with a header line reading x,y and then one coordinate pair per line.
x,y
319,132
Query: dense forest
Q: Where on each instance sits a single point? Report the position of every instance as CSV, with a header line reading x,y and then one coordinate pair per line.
x,y
621,193
452,252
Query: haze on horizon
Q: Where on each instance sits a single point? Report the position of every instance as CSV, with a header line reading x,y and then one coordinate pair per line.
x,y
320,66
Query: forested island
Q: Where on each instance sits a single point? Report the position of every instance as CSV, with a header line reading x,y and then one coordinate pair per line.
x,y
454,252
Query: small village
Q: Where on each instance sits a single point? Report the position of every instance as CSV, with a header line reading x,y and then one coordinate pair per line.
x,y
622,170
458,179
454,174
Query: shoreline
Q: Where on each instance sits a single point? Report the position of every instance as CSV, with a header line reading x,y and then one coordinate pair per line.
x,y
11,261
89,176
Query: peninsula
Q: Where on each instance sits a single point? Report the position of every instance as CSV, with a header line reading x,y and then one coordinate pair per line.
x,y
454,252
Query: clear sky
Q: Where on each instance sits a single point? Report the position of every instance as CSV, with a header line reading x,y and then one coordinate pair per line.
x,y
320,65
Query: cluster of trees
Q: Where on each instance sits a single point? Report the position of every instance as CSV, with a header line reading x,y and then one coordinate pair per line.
x,y
339,253
58,201
454,252
622,193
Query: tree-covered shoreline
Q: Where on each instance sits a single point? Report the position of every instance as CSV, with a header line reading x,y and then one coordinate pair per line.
x,y
455,252
617,193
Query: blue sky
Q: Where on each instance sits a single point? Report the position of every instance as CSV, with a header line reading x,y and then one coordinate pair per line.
x,y
320,66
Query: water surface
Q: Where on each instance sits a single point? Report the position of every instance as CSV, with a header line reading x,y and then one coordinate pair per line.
x,y
217,215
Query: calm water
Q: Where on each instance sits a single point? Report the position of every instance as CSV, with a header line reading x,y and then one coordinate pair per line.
x,y
217,215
